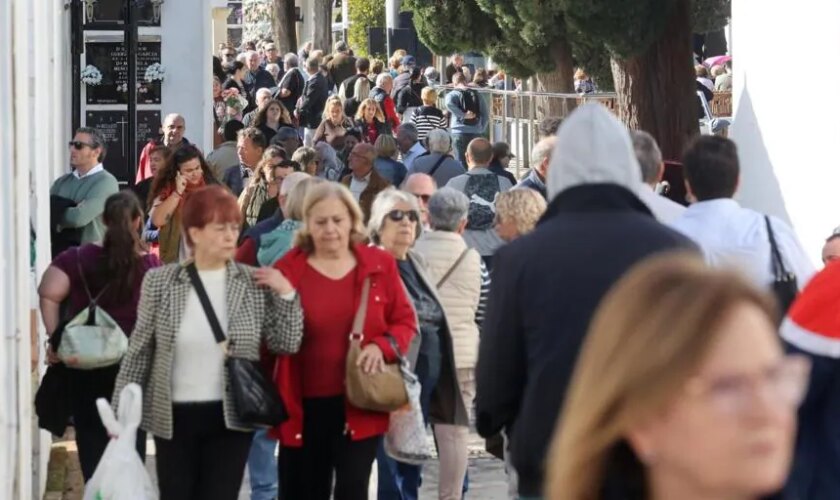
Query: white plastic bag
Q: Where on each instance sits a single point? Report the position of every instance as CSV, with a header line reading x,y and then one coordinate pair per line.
x,y
121,474
407,440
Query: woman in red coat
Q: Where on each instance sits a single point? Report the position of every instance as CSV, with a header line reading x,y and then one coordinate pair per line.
x,y
325,436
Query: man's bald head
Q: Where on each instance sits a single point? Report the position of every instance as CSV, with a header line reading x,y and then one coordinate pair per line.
x,y
422,186
479,153
174,126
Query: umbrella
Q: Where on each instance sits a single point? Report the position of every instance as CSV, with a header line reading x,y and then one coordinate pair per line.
x,y
717,60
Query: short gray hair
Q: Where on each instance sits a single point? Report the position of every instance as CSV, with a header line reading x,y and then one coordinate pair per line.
x,y
648,154
382,78
448,207
385,202
439,141
291,60
543,150
408,130
273,68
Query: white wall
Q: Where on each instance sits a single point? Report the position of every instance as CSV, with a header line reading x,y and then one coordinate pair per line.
x,y
186,53
786,113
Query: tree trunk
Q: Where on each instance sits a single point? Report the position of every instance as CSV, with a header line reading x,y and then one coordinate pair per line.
x,y
656,90
560,80
322,20
283,25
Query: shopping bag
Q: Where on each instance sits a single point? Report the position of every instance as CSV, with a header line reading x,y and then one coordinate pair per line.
x,y
121,474
407,440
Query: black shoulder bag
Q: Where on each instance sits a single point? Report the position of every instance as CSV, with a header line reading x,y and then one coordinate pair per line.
x,y
437,165
256,400
785,287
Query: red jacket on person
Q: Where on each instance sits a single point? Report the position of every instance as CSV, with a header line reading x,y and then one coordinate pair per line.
x,y
389,311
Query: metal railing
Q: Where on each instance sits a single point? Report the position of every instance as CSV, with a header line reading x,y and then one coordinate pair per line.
x,y
515,116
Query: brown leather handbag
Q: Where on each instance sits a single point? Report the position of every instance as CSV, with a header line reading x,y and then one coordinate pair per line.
x,y
384,391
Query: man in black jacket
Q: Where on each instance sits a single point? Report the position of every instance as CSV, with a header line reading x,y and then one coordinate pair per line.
x,y
313,101
255,79
547,285
348,86
291,84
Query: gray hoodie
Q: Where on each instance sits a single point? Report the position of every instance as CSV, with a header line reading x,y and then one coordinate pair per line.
x,y
593,147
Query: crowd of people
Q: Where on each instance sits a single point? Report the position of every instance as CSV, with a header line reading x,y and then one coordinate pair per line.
x,y
605,338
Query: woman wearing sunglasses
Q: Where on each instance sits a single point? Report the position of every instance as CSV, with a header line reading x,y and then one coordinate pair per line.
x,y
682,391
395,225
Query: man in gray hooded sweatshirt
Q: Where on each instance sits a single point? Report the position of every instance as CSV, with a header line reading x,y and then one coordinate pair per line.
x,y
547,285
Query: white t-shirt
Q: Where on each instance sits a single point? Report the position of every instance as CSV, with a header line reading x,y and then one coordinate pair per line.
x,y
198,368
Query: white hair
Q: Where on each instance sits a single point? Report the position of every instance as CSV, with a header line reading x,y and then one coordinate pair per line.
x,y
382,78
273,68
543,150
448,207
439,141
383,204
291,60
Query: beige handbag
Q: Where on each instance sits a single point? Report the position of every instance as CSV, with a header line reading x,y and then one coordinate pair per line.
x,y
384,391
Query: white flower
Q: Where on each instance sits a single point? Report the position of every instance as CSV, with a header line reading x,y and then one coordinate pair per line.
x,y
91,75
154,72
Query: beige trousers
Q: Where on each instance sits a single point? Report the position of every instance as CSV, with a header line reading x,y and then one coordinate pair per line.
x,y
452,443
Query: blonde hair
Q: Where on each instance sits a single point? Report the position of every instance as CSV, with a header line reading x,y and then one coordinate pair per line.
x,y
360,114
580,74
523,206
333,100
619,380
319,193
386,146
429,96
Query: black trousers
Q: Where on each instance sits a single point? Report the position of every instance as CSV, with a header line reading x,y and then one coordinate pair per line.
x,y
307,473
86,386
204,460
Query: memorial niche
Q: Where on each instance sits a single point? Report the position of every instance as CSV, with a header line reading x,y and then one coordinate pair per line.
x,y
111,59
114,12
114,128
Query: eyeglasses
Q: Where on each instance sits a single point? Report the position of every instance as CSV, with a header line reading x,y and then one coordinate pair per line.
x,y
80,144
399,215
783,384
423,198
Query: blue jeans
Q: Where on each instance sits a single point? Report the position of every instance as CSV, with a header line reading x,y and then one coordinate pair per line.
x,y
262,467
397,480
459,146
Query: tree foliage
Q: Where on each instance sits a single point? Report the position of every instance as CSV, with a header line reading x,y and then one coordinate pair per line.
x,y
364,14
710,15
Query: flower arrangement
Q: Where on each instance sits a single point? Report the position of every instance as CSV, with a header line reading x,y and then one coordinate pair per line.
x,y
91,75
235,103
155,72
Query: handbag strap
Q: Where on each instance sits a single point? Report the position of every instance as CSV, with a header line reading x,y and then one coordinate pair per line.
x,y
361,312
437,165
215,326
93,300
453,268
779,271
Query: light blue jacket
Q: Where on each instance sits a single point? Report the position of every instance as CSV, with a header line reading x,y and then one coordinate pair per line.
x,y
456,120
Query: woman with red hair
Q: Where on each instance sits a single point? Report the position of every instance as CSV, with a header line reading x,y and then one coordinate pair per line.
x,y
202,443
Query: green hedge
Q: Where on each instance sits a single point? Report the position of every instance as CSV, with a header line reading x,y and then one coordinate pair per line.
x,y
364,14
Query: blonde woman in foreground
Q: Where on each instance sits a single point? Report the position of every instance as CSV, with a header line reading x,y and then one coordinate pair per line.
x,y
682,391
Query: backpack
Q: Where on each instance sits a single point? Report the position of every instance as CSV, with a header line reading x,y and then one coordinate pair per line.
x,y
482,189
470,101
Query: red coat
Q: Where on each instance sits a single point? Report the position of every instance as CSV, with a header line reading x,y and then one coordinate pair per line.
x,y
389,310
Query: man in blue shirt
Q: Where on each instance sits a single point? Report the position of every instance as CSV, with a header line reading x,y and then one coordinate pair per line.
x,y
469,116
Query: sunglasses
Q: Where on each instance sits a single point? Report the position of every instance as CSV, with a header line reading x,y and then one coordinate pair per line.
x,y
399,215
80,144
423,197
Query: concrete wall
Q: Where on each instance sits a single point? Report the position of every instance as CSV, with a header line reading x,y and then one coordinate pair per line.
x,y
786,111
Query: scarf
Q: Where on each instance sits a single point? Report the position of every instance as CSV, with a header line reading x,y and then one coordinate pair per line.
x,y
275,244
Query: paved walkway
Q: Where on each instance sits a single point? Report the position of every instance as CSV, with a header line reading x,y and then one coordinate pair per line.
x,y
487,476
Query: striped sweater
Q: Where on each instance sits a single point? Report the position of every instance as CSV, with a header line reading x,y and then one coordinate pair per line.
x,y
426,119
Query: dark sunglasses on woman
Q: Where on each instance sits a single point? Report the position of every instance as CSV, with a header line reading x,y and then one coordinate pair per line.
x,y
399,215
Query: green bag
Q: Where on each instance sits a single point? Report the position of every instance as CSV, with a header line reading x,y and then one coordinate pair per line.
x,y
92,339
